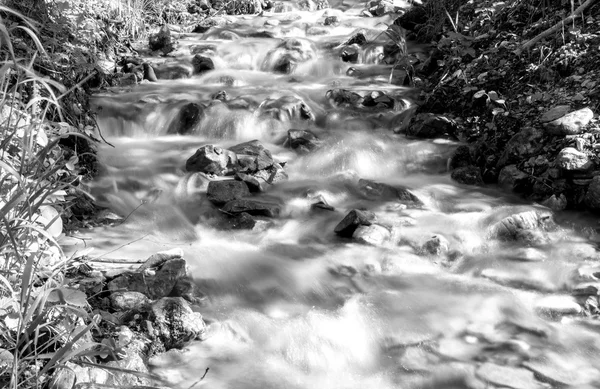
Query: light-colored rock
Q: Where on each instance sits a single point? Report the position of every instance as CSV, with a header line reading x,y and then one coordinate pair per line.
x,y
555,113
570,158
508,377
374,234
174,322
211,159
519,279
125,301
561,371
571,123
529,226
556,203
558,305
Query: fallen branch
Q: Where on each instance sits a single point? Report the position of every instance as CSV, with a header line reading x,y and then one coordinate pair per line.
x,y
527,45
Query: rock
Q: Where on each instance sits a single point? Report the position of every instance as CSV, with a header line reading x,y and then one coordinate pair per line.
x,y
125,301
174,322
460,158
221,192
468,175
558,371
519,280
329,20
161,40
509,377
557,306
415,359
527,254
62,379
344,98
212,159
352,221
358,38
378,99
286,108
252,156
570,158
515,227
586,289
303,140
571,123
252,207
321,205
556,203
513,179
271,175
241,221
202,64
436,245
373,234
187,119
149,73
288,54
432,126
156,261
350,54
381,7
186,288
254,184
242,7
526,143
384,192
154,284
592,195
555,113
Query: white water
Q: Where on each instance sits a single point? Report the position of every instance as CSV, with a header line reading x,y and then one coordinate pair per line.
x,y
282,313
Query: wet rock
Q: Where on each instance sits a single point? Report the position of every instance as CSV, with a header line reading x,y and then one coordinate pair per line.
x,y
172,71
287,108
508,377
154,284
185,287
212,159
202,64
357,39
161,40
271,175
312,5
526,143
378,99
241,221
303,140
187,119
352,221
254,184
125,301
460,158
252,156
374,234
381,7
432,126
321,205
468,175
149,73
513,179
221,192
556,203
242,7
558,371
174,322
586,289
592,195
518,226
554,306
519,280
379,191
350,54
252,207
436,245
571,123
344,98
220,95
288,54
527,254
570,158
329,20
157,260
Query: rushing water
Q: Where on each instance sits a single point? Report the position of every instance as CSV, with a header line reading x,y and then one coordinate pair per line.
x,y
290,305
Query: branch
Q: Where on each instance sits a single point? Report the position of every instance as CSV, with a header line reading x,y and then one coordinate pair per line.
x,y
555,28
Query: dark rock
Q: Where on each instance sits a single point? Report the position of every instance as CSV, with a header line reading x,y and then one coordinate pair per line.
x,y
186,288
243,7
350,54
156,261
384,192
468,175
511,178
252,156
373,234
290,52
221,96
287,108
313,5
187,119
174,322
200,29
555,113
202,64
126,301
432,126
172,71
254,184
379,99
221,192
161,40
381,7
570,158
149,72
556,203
212,159
241,221
321,205
303,140
592,195
344,98
352,221
329,20
357,39
571,123
285,65
460,158
436,245
509,377
252,207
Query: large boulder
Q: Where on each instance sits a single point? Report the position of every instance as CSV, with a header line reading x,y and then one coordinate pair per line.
x,y
221,192
212,159
252,156
354,219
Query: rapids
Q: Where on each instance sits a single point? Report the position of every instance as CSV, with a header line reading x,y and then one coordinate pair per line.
x,y
291,305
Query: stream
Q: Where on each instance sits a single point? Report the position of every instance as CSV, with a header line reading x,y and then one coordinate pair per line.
x,y
443,301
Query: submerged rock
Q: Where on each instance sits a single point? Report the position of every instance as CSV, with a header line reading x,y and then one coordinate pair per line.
x,y
221,192
303,140
352,221
252,207
212,159
187,119
373,234
508,377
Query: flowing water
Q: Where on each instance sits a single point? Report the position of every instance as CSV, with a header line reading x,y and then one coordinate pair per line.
x,y
291,305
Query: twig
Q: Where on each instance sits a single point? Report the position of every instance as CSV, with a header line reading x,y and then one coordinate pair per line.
x,y
554,28
201,378
80,83
123,245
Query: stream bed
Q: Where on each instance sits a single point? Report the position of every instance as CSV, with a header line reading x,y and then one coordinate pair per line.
x,y
446,299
